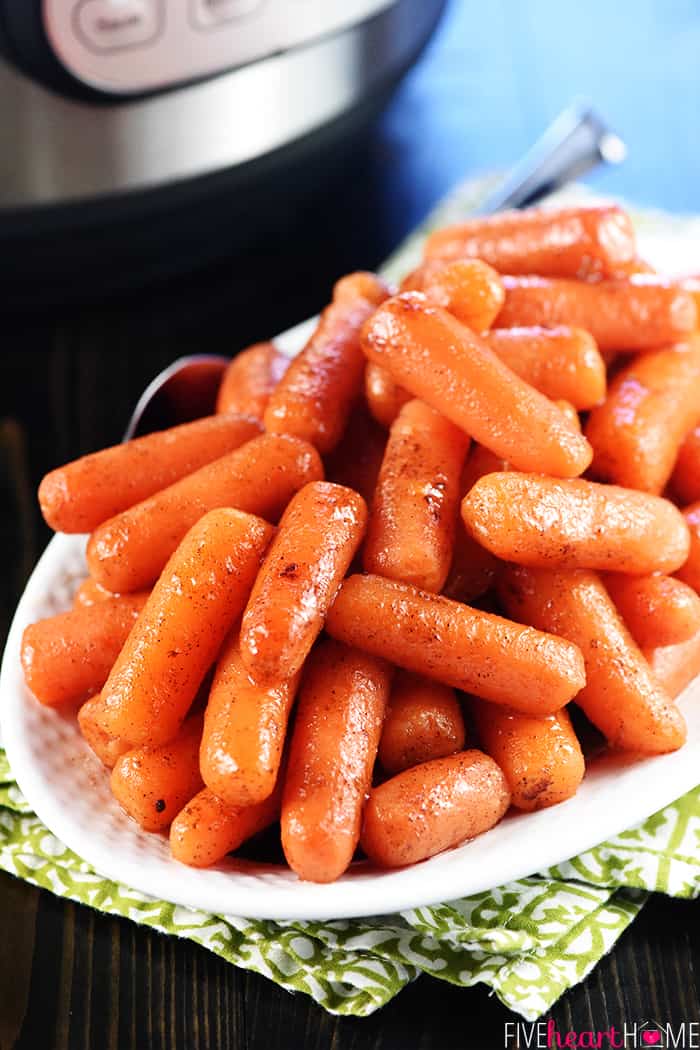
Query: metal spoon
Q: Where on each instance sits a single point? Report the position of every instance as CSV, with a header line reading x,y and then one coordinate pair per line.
x,y
574,144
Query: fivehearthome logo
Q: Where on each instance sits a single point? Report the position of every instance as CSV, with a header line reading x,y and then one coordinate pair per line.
x,y
645,1034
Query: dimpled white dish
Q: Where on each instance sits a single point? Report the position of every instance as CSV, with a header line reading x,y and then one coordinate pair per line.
x,y
69,789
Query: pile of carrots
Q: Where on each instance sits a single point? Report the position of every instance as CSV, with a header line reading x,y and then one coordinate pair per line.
x,y
359,599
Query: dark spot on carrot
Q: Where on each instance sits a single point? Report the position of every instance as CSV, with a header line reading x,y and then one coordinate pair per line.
x,y
160,805
289,572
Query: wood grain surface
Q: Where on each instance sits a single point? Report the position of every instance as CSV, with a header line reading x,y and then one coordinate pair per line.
x,y
71,978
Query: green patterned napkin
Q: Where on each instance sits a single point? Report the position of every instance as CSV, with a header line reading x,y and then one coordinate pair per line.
x,y
529,941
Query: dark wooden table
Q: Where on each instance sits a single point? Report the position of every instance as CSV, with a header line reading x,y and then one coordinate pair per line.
x,y
491,80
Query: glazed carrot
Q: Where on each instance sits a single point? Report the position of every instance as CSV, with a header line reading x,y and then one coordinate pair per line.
x,y
250,379
191,609
107,748
318,536
153,783
431,807
88,491
570,412
67,658
355,462
645,312
445,364
244,729
469,289
385,398
685,480
91,593
575,524
314,398
690,571
207,829
423,721
621,696
329,772
638,431
541,758
658,610
675,666
561,362
128,552
412,524
451,643
567,242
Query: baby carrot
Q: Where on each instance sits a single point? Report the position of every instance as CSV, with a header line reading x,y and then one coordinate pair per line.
x,y
621,696
423,721
67,658
314,398
690,570
452,643
432,807
575,524
250,379
153,783
645,312
91,593
207,829
469,289
412,524
191,609
329,772
318,535
445,364
639,429
385,398
567,242
128,552
355,462
88,491
562,362
541,758
244,730
658,610
107,748
675,666
685,480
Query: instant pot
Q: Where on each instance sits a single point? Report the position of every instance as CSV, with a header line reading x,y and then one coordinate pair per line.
x,y
149,128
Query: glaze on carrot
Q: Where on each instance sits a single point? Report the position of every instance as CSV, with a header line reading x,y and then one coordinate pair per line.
x,y
658,610
250,379
88,491
153,783
334,744
621,696
314,398
128,552
318,536
645,312
207,829
638,432
575,524
191,609
67,658
469,289
445,364
452,643
541,758
432,807
412,524
566,242
423,721
245,725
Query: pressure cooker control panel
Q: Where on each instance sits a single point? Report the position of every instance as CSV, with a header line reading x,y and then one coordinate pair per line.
x,y
135,46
